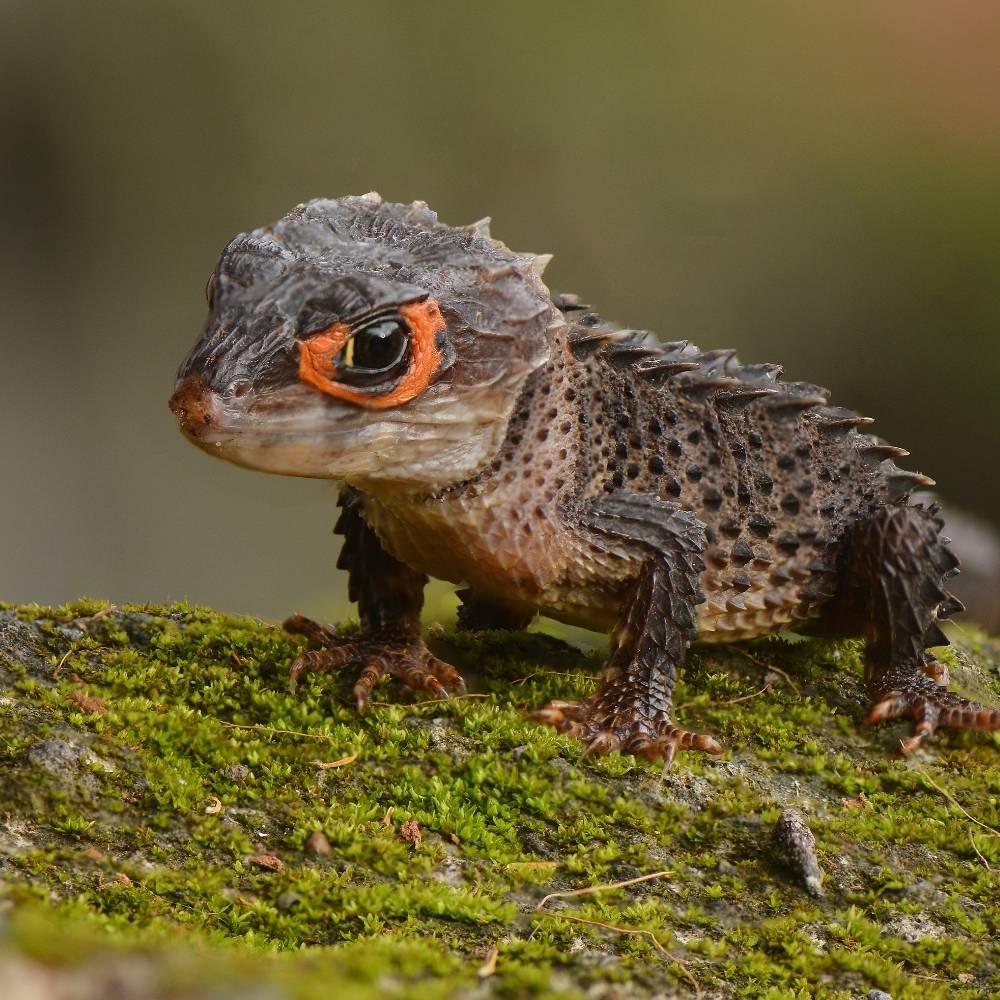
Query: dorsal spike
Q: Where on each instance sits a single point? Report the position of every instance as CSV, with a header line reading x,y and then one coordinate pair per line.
x,y
879,452
589,338
902,482
676,346
695,384
717,363
838,419
790,404
481,227
762,373
950,606
935,637
539,262
743,395
568,302
662,368
629,354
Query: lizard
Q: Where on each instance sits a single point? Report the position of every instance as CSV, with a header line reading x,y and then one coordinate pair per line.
x,y
491,433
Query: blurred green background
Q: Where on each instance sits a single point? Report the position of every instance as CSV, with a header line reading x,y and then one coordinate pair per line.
x,y
815,184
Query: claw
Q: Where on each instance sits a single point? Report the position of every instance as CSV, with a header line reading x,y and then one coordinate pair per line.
x,y
436,688
668,752
449,677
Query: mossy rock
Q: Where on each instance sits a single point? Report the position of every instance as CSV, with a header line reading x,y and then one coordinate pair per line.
x,y
176,821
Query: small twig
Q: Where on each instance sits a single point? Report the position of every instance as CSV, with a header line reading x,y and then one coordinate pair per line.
x,y
65,657
633,931
489,967
764,665
259,727
429,701
729,701
552,673
590,889
975,847
951,798
97,615
326,765
636,931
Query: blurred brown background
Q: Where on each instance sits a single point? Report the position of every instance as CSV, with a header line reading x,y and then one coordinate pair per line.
x,y
815,184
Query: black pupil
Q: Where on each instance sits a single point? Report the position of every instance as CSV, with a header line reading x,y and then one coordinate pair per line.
x,y
374,352
379,346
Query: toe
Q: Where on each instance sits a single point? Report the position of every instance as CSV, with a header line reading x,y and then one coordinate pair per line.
x,y
429,683
889,706
320,661
560,715
604,741
446,674
365,684
415,668
313,631
969,715
674,739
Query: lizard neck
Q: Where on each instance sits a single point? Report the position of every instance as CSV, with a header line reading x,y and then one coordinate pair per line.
x,y
504,528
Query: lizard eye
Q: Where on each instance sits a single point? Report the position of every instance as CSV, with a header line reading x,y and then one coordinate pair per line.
x,y
374,353
383,362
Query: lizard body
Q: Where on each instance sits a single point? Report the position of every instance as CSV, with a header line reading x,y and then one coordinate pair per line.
x,y
511,441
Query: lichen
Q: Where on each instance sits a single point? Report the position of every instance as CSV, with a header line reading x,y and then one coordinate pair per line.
x,y
162,787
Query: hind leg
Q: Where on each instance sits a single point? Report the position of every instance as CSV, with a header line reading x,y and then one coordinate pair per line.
x,y
893,594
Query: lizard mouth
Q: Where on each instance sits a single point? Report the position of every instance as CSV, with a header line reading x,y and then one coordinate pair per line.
x,y
293,430
286,431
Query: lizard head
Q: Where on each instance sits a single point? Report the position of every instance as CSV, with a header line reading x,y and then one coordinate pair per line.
x,y
364,341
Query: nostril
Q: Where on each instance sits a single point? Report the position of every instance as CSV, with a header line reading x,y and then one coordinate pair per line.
x,y
194,405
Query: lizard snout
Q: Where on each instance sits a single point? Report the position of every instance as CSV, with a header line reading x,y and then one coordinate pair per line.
x,y
196,407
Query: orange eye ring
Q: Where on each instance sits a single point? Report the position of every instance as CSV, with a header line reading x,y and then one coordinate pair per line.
x,y
317,354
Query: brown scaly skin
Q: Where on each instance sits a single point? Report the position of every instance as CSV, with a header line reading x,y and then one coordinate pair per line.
x,y
498,436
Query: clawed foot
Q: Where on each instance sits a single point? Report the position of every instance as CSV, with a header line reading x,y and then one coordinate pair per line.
x,y
402,656
604,730
930,704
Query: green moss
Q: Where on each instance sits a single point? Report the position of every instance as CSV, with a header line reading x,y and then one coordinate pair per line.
x,y
155,763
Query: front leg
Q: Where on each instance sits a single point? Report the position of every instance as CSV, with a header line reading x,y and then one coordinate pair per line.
x,y
390,596
631,709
